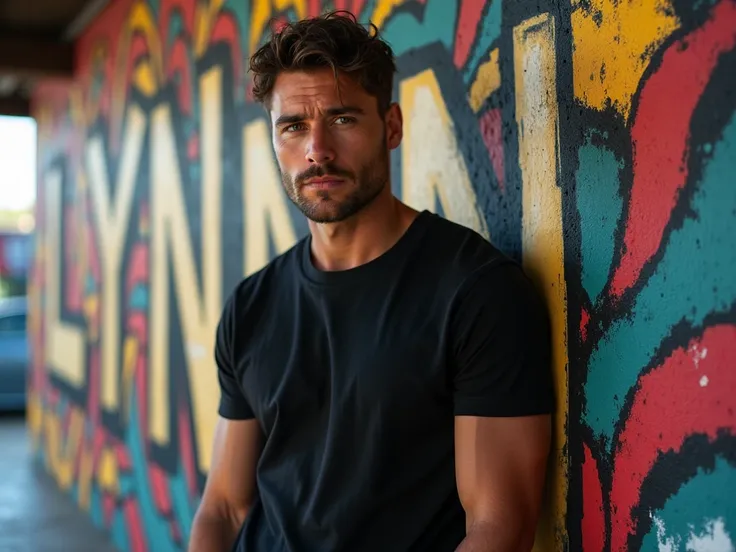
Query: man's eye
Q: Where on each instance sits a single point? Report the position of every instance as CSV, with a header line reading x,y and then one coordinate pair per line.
x,y
295,127
344,120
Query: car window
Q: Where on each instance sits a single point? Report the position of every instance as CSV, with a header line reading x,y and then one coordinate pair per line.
x,y
13,323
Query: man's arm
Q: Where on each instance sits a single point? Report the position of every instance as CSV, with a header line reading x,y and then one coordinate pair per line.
x,y
230,488
500,470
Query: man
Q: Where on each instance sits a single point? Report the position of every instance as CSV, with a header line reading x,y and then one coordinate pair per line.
x,y
385,383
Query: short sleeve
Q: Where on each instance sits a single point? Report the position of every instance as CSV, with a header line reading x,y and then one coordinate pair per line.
x,y
233,404
500,340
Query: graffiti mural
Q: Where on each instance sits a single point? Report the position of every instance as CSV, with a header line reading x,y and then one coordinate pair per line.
x,y
552,128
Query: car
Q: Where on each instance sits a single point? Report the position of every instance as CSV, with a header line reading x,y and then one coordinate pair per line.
x,y
14,353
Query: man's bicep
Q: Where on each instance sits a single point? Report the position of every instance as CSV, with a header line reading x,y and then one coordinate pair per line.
x,y
500,469
501,346
231,481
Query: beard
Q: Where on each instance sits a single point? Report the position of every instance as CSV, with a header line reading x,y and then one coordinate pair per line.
x,y
336,206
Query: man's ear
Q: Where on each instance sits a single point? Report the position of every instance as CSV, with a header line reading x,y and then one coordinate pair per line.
x,y
394,126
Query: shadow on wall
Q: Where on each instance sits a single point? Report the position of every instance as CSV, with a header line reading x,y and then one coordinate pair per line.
x,y
591,140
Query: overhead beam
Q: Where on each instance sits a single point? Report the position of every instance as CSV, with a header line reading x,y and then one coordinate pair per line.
x,y
87,14
15,106
28,56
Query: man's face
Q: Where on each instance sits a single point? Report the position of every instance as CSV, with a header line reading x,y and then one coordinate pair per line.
x,y
332,148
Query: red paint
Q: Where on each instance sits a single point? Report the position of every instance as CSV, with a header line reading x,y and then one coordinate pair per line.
x,y
125,463
175,531
492,132
669,406
137,267
660,137
355,6
138,326
93,386
584,319
314,8
133,522
72,231
140,382
593,522
193,147
167,10
160,488
467,27
179,62
226,30
187,451
108,507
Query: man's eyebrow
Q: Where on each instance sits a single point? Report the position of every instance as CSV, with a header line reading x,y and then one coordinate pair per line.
x,y
331,112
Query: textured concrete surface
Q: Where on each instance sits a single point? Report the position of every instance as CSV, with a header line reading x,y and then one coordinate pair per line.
x,y
34,515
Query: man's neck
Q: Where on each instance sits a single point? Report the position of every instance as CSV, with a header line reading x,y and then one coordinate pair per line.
x,y
363,237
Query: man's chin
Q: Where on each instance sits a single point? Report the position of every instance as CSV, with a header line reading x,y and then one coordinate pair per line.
x,y
325,214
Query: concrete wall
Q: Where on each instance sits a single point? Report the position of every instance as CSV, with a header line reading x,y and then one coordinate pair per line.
x,y
594,140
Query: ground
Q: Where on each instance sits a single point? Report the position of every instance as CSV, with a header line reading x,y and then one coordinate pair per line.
x,y
34,514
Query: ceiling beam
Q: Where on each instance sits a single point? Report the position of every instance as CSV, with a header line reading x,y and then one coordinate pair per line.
x,y
27,56
16,106
85,16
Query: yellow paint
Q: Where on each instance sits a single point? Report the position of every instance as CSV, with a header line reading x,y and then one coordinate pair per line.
x,y
65,344
264,201
84,482
60,454
383,10
487,81
111,219
89,307
141,20
431,160
144,79
204,21
130,361
542,236
107,471
263,10
34,418
609,59
199,305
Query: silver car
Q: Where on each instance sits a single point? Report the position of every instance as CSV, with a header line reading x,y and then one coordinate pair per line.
x,y
14,354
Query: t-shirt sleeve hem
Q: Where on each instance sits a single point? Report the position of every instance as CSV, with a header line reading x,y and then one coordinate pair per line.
x,y
231,411
500,409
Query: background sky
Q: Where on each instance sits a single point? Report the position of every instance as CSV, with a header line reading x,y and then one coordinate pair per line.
x,y
17,163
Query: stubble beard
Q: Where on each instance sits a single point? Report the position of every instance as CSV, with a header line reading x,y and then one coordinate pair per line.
x,y
369,182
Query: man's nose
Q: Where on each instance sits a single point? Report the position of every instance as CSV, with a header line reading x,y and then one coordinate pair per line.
x,y
320,149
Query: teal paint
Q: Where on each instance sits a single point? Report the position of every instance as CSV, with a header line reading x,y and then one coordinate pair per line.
x,y
181,503
404,33
119,530
489,33
158,533
95,507
599,207
692,510
700,257
139,297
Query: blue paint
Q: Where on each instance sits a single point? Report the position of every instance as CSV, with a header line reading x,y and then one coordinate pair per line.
x,y
489,33
176,27
404,33
156,527
696,505
183,510
95,507
119,531
599,206
241,10
694,278
139,297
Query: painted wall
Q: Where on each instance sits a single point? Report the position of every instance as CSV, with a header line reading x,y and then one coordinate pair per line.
x,y
593,140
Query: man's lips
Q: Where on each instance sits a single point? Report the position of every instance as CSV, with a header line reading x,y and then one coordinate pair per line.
x,y
324,182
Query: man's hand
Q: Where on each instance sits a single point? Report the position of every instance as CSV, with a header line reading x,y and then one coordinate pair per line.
x,y
230,487
500,470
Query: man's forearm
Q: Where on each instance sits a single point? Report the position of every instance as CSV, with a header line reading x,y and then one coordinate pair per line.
x,y
213,532
495,537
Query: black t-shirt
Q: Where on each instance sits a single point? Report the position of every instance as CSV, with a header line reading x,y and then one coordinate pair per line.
x,y
355,377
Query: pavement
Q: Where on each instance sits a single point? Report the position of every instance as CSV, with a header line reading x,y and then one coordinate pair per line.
x,y
35,516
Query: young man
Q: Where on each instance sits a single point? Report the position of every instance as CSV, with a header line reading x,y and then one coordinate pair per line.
x,y
386,382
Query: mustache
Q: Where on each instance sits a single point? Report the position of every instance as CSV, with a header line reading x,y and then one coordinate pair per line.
x,y
321,170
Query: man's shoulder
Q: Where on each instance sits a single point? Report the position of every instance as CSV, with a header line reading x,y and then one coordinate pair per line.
x,y
279,271
460,251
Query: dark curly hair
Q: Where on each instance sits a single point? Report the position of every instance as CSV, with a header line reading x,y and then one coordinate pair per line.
x,y
335,40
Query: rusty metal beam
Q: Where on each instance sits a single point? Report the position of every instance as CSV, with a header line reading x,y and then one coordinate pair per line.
x,y
28,56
